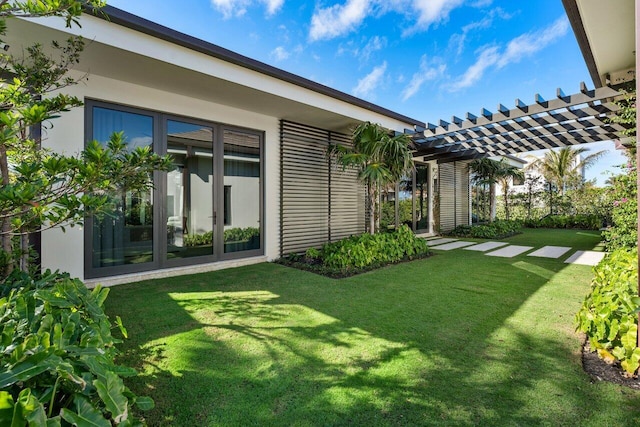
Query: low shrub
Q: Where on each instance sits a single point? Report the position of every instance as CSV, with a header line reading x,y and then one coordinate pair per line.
x,y
360,253
366,249
608,315
57,356
493,230
584,222
230,235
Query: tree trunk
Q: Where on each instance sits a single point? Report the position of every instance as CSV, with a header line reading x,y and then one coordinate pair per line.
x,y
492,202
6,222
506,201
24,253
372,208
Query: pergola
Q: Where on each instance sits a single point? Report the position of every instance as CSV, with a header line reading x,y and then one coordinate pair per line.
x,y
566,120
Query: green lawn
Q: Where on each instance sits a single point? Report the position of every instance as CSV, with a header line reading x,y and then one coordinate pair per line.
x,y
456,339
576,239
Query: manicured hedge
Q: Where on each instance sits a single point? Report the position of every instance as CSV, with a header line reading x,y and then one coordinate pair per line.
x,y
494,230
584,222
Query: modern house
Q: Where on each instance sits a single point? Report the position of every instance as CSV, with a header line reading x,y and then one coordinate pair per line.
x,y
251,180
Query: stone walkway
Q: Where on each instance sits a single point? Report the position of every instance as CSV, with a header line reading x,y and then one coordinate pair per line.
x,y
504,250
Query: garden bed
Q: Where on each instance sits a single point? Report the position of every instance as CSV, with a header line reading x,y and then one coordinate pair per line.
x,y
313,265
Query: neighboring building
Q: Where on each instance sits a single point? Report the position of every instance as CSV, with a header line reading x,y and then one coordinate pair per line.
x,y
251,180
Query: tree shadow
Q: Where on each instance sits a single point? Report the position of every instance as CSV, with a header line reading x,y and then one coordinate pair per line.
x,y
413,344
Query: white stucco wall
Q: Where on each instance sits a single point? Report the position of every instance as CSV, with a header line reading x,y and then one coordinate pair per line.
x,y
65,251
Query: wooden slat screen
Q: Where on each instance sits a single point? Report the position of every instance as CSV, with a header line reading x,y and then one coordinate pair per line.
x,y
463,196
454,194
319,202
446,191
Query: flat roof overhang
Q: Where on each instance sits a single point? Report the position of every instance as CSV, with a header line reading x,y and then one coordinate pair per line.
x,y
605,31
128,48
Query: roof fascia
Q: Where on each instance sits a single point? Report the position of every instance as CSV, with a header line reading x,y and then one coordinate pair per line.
x,y
573,13
136,23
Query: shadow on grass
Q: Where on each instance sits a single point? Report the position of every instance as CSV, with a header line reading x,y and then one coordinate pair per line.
x,y
456,339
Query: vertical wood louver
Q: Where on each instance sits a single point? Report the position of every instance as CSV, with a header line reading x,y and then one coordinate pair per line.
x,y
319,202
454,193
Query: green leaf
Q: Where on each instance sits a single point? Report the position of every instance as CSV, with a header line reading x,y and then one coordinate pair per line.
x,y
6,408
53,422
85,414
112,395
145,403
32,408
29,368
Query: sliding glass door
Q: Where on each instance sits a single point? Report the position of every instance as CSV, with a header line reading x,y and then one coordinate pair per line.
x,y
208,207
189,190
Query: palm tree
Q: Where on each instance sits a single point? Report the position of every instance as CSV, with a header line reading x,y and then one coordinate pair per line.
x,y
489,172
506,174
562,167
381,160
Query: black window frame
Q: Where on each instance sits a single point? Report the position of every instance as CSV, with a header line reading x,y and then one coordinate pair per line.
x,y
160,261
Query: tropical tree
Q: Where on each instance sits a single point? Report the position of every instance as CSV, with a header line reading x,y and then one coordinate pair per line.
x,y
40,188
489,172
57,364
563,167
380,158
506,174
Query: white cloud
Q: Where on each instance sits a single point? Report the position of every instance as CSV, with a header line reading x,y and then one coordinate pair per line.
x,y
369,83
530,43
375,43
273,6
488,57
522,46
340,19
459,40
424,74
231,8
279,53
363,53
337,20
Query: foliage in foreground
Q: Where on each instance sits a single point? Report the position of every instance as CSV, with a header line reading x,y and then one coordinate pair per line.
x,y
56,356
360,253
609,313
624,231
494,230
583,222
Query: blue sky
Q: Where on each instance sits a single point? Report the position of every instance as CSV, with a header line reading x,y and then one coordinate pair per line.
x,y
427,59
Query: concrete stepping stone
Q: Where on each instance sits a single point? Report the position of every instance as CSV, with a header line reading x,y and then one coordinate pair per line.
x,y
453,245
510,251
440,241
486,246
550,251
585,258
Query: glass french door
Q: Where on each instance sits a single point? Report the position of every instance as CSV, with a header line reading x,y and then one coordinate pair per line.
x,y
207,208
190,191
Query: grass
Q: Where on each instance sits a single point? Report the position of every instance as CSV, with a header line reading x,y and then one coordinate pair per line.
x,y
448,340
588,240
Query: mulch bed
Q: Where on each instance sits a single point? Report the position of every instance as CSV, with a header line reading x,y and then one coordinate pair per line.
x,y
599,370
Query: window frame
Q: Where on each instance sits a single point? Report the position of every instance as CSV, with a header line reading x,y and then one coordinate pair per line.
x,y
159,145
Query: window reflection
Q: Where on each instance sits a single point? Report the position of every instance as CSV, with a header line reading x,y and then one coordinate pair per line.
x,y
125,236
241,191
189,190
